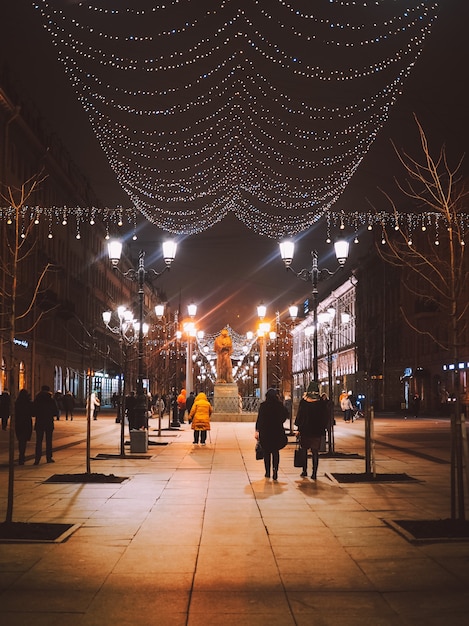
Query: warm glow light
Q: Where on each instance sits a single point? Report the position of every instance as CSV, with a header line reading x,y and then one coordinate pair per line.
x,y
114,249
169,251
159,310
341,247
261,311
293,311
252,124
287,250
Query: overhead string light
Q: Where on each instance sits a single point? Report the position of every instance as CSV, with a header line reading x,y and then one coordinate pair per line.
x,y
206,110
123,218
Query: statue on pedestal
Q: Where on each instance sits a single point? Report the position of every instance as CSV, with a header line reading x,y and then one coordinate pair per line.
x,y
224,347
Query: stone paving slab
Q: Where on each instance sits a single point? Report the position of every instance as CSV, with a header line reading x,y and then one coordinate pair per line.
x,y
197,536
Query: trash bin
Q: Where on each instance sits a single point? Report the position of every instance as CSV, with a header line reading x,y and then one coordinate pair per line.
x,y
138,440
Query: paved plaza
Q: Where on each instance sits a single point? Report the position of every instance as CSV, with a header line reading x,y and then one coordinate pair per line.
x,y
197,536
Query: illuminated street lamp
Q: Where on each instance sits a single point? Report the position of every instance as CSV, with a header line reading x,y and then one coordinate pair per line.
x,y
127,333
139,275
287,249
191,332
263,329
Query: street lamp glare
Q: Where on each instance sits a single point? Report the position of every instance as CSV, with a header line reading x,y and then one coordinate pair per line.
x,y
107,317
293,311
192,309
159,310
261,310
114,249
287,250
341,247
169,251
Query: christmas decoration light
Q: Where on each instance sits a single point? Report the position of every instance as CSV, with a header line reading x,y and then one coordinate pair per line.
x,y
204,111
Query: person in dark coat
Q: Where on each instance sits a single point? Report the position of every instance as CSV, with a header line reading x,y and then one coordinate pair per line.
x,y
58,397
189,402
130,406
270,431
45,409
68,402
4,409
23,422
311,420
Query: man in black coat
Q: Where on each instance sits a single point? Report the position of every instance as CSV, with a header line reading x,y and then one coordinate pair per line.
x,y
45,409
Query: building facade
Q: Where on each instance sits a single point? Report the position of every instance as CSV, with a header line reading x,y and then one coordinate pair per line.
x,y
52,330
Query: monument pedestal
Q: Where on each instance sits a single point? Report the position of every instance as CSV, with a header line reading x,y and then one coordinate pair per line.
x,y
227,406
226,398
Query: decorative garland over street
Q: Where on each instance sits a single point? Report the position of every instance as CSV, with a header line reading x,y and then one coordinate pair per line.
x,y
257,107
126,220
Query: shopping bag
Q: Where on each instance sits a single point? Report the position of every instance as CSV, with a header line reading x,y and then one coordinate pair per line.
x,y
299,459
259,451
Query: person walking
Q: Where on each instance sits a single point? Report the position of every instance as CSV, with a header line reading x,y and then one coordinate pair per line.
x,y
58,397
181,404
200,416
93,404
45,409
311,420
189,403
130,406
347,408
159,406
68,402
23,423
270,431
416,404
4,409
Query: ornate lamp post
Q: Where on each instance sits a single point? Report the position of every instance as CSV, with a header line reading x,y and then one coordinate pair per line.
x,y
127,335
139,275
286,364
287,249
190,330
263,329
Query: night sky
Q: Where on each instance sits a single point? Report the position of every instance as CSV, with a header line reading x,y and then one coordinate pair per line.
x,y
227,270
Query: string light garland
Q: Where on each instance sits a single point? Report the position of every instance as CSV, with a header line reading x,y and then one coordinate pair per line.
x,y
203,110
125,219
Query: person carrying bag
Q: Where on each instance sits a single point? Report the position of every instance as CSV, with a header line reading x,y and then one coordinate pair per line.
x,y
270,431
311,421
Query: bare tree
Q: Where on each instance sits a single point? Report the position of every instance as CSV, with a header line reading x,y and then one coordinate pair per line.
x,y
19,314
433,256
